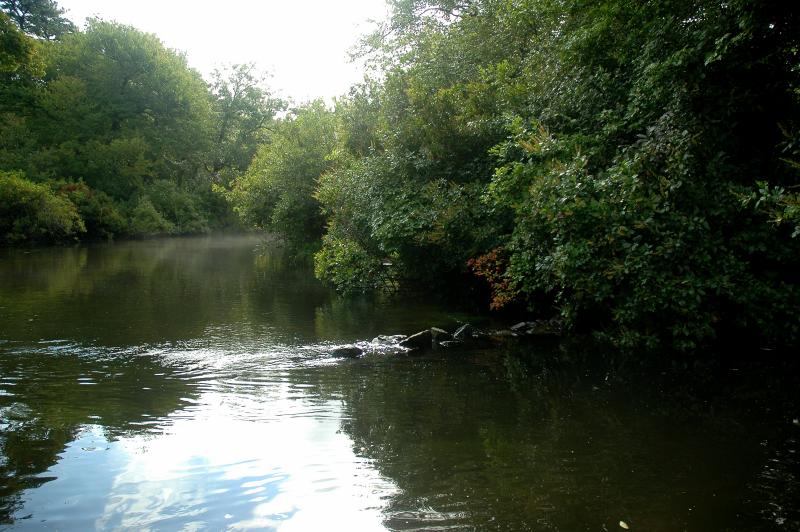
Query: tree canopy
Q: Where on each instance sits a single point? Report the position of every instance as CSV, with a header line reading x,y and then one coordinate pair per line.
x,y
629,167
39,18
119,126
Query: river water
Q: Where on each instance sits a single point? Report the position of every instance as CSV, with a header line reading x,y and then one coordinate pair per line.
x,y
184,384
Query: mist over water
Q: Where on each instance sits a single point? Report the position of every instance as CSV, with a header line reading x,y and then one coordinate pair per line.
x,y
185,384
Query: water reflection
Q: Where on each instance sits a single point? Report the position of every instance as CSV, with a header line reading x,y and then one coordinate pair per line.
x,y
173,439
50,395
525,438
149,292
229,291
179,384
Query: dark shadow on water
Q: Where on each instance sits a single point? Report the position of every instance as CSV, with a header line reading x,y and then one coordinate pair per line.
x,y
547,437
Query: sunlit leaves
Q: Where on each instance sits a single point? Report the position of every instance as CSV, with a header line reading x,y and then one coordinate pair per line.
x,y
277,191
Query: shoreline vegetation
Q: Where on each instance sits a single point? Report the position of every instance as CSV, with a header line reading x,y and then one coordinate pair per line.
x,y
629,170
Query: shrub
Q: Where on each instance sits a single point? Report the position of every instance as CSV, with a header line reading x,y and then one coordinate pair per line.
x,y
99,212
32,212
147,221
177,206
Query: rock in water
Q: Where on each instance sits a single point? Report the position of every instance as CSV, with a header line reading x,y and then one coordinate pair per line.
x,y
463,332
347,351
421,340
439,335
450,343
522,326
388,339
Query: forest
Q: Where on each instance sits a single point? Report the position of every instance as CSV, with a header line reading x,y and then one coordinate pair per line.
x,y
628,168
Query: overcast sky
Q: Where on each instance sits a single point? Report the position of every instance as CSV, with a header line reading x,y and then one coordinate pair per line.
x,y
302,44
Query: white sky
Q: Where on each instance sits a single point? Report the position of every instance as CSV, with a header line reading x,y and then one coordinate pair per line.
x,y
301,44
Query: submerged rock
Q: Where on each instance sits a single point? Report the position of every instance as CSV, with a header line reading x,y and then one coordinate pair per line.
x,y
465,336
450,343
388,339
347,351
522,326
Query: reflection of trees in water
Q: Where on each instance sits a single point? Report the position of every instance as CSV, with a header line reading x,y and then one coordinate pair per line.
x,y
176,289
157,291
127,293
47,398
364,317
545,441
27,449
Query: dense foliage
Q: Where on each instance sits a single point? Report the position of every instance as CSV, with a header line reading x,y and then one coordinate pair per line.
x,y
28,210
629,166
110,122
277,191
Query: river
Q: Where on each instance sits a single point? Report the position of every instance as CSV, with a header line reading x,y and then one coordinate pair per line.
x,y
184,384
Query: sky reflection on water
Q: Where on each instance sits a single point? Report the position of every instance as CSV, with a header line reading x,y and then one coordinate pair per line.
x,y
287,467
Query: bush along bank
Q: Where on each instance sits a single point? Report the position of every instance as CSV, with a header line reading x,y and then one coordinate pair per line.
x,y
629,168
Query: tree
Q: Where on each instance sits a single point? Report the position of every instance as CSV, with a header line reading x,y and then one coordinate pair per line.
x,y
419,155
277,191
595,160
114,122
21,68
20,63
130,112
40,18
244,108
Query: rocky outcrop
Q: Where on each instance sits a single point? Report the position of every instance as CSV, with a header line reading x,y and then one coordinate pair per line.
x,y
434,338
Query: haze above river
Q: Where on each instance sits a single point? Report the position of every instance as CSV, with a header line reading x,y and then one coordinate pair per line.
x,y
186,384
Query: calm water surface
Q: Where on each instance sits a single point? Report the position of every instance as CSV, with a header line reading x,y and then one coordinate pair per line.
x,y
184,384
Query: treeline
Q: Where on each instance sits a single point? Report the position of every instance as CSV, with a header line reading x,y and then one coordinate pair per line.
x,y
628,166
105,132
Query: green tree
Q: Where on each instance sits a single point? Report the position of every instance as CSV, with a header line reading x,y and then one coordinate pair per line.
x,y
137,112
244,109
625,183
113,119
277,191
418,145
20,65
598,160
40,18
